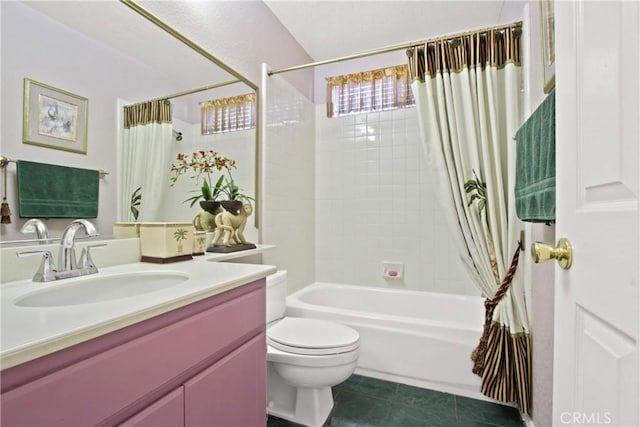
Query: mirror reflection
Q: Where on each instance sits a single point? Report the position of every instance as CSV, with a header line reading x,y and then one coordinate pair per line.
x,y
114,57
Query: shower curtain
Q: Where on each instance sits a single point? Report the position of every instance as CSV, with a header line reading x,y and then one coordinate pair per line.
x,y
467,92
145,158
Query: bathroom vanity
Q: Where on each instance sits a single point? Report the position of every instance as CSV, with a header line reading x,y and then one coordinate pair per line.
x,y
192,354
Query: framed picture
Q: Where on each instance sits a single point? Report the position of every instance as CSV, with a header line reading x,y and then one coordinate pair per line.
x,y
54,118
548,45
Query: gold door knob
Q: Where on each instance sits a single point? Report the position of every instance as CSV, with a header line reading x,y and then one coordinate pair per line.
x,y
563,253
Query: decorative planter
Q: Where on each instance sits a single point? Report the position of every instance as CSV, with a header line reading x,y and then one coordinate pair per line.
x,y
126,230
232,206
199,242
165,242
211,206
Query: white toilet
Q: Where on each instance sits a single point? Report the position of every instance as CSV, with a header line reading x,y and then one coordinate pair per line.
x,y
305,358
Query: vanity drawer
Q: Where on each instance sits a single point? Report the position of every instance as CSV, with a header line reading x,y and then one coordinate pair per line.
x,y
166,412
119,381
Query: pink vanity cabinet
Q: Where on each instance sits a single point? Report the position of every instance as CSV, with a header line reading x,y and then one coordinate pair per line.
x,y
199,365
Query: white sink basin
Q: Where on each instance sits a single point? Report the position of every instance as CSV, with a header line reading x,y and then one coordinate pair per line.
x,y
90,289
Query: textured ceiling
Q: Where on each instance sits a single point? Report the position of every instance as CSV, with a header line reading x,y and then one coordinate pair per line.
x,y
331,29
117,26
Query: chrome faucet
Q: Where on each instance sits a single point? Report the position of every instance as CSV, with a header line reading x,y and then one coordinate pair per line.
x,y
36,226
68,266
67,254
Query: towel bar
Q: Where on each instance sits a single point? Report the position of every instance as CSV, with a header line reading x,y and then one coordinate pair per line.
x,y
4,162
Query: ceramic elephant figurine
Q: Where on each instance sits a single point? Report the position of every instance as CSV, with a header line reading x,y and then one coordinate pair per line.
x,y
204,221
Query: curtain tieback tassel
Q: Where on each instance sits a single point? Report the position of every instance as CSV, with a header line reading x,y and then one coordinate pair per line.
x,y
490,304
5,212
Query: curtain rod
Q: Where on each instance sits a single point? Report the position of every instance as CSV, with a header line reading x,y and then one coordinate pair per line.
x,y
391,49
157,21
196,90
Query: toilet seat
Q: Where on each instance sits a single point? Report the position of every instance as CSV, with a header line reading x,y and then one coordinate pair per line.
x,y
312,336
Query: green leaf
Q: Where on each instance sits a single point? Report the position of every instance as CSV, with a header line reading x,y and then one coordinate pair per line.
x,y
193,200
219,182
206,191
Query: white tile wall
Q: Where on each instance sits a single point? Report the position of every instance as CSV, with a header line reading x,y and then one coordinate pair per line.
x,y
374,204
288,150
342,195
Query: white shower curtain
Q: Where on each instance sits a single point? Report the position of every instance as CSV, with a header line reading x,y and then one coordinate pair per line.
x,y
467,93
145,158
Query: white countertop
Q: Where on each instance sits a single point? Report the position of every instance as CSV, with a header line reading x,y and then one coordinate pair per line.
x,y
31,332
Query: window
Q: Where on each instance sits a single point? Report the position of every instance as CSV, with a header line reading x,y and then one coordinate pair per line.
x,y
377,90
228,114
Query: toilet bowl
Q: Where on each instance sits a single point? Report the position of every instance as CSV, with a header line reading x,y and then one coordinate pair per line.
x,y
305,358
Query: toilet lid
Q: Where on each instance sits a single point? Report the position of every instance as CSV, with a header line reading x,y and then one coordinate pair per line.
x,y
312,336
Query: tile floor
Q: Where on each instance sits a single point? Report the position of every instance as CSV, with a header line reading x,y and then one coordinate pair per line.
x,y
362,401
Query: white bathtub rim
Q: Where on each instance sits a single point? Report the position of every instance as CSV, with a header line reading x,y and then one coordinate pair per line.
x,y
294,302
388,290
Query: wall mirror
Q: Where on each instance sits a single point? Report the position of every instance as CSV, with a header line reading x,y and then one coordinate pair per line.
x,y
177,68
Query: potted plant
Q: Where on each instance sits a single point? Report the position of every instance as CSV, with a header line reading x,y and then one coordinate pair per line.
x,y
235,198
203,164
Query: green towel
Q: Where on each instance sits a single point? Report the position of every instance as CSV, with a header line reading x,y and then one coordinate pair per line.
x,y
535,190
51,191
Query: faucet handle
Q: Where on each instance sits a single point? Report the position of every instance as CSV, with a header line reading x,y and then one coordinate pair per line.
x,y
47,270
85,258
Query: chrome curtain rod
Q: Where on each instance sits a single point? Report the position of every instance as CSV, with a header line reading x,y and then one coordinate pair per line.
x,y
151,17
391,49
196,90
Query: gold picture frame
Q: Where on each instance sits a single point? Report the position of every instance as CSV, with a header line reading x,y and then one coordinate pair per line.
x,y
547,33
54,118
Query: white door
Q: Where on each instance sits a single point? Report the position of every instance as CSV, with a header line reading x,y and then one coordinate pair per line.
x,y
597,137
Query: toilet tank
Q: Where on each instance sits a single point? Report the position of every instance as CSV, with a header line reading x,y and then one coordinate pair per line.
x,y
276,295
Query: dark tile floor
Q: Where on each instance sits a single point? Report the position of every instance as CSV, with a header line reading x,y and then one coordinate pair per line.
x,y
362,401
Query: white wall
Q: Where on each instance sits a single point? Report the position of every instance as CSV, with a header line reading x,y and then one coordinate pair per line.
x,y
288,179
374,203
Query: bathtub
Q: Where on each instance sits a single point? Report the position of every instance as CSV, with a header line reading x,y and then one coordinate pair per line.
x,y
418,338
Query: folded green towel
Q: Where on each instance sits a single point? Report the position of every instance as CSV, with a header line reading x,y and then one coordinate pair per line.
x,y
535,190
51,191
